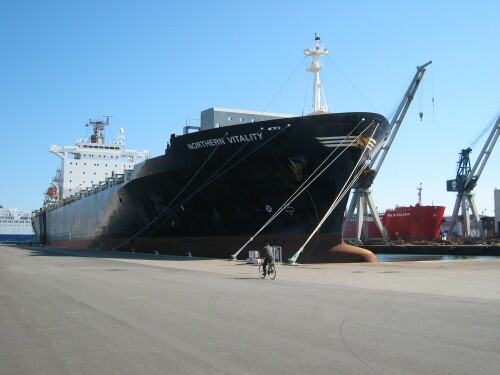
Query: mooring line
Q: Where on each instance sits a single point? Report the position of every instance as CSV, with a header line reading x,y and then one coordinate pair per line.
x,y
214,176
345,189
314,175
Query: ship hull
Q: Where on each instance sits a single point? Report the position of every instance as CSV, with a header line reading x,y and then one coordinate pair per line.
x,y
18,238
409,223
214,190
414,223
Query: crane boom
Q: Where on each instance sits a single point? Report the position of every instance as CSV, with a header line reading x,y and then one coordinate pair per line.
x,y
485,153
376,162
361,198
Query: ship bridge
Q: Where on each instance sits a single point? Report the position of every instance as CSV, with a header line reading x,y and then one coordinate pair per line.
x,y
93,160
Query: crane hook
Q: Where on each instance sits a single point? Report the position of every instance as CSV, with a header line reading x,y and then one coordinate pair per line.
x,y
421,114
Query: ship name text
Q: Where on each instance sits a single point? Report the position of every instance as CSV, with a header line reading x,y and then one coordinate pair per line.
x,y
399,214
222,141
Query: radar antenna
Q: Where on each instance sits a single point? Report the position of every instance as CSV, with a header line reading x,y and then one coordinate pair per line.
x,y
98,129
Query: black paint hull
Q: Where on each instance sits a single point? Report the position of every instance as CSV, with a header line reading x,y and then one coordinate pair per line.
x,y
215,189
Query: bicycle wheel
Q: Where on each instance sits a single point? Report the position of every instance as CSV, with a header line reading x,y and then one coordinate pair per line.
x,y
272,271
261,272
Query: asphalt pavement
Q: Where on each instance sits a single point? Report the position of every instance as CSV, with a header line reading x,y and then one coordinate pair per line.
x,y
86,312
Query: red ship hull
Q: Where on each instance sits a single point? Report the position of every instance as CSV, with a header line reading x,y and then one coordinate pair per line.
x,y
409,223
413,223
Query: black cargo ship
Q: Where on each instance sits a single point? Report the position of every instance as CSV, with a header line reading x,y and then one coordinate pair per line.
x,y
240,176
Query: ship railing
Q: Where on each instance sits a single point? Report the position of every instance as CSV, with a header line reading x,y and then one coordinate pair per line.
x,y
109,182
95,188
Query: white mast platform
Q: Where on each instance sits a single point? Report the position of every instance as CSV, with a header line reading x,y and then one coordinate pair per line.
x,y
319,97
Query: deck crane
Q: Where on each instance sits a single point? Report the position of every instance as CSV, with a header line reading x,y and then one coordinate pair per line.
x,y
361,198
466,181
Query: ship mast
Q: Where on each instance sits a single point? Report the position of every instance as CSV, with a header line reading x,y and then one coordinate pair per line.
x,y
420,188
98,132
316,52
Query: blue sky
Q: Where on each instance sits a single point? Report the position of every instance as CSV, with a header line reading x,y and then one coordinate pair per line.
x,y
151,64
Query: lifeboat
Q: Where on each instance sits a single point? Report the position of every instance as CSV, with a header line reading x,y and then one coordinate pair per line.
x,y
51,191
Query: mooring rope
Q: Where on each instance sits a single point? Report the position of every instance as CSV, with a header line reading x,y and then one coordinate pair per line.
x,y
314,175
172,201
343,191
211,179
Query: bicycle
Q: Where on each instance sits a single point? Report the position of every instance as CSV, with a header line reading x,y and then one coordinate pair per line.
x,y
271,271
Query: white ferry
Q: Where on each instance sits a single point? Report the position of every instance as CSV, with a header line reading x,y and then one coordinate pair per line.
x,y
15,226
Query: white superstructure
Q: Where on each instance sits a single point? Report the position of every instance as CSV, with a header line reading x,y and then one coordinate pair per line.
x,y
90,162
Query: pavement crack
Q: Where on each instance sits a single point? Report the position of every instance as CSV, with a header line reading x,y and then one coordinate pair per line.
x,y
344,341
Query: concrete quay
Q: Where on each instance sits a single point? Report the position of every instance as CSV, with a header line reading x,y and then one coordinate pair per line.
x,y
441,249
86,312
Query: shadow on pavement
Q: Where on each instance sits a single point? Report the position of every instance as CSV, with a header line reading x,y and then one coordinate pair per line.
x,y
56,251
